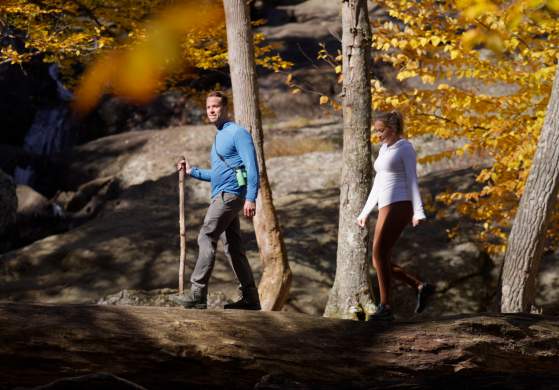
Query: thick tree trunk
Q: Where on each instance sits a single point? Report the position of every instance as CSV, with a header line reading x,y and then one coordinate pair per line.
x,y
276,274
170,348
352,285
527,237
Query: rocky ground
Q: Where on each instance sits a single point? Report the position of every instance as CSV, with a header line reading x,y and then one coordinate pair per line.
x,y
131,243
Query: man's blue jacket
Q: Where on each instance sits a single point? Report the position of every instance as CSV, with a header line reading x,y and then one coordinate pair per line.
x,y
235,145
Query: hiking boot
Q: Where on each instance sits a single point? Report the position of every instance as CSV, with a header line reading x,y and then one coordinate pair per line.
x,y
383,313
424,294
249,300
190,300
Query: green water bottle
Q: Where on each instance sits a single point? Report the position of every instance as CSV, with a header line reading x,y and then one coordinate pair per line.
x,y
241,177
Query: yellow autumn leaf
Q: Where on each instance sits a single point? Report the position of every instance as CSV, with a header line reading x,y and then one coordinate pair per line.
x,y
139,82
427,79
535,3
479,8
471,38
94,82
324,99
494,42
406,74
553,5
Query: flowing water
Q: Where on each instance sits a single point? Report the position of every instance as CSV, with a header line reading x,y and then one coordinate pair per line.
x,y
50,133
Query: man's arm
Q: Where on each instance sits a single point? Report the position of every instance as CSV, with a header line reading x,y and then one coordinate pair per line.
x,y
245,148
197,173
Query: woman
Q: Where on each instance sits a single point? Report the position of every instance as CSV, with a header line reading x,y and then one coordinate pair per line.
x,y
396,192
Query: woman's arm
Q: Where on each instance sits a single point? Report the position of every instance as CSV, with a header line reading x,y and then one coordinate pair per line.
x,y
410,161
372,201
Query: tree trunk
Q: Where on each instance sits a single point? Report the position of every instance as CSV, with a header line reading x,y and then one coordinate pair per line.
x,y
276,274
527,237
169,348
352,285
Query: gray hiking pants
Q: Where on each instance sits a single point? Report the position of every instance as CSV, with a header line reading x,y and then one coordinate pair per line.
x,y
221,221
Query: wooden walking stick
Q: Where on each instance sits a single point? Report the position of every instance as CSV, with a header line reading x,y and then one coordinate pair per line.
x,y
182,229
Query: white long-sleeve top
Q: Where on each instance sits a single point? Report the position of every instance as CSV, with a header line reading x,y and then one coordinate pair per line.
x,y
396,179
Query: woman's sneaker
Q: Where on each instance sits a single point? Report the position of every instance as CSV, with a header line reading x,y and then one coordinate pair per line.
x,y
383,313
424,294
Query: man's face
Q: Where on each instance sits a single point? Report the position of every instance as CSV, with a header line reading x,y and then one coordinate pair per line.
x,y
215,110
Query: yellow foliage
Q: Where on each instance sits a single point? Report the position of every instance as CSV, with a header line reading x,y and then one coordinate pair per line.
x,y
136,72
495,100
72,32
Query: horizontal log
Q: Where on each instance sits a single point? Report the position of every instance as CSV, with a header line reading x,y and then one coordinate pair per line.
x,y
161,347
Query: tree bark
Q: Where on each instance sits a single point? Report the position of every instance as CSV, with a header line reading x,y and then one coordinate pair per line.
x,y
352,285
157,347
527,237
276,274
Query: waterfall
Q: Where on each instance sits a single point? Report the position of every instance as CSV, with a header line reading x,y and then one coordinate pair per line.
x,y
50,131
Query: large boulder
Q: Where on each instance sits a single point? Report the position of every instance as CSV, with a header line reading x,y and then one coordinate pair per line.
x,y
36,218
8,203
31,203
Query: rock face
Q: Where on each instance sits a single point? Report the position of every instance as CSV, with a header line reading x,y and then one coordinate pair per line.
x,y
8,203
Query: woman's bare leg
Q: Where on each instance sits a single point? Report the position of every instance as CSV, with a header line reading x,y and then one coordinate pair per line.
x,y
404,276
392,220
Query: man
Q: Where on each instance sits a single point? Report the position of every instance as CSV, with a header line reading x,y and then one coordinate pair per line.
x,y
234,181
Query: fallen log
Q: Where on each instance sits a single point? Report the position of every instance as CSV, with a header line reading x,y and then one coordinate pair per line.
x,y
156,347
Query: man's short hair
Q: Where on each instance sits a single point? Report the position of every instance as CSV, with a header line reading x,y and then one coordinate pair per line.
x,y
220,95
